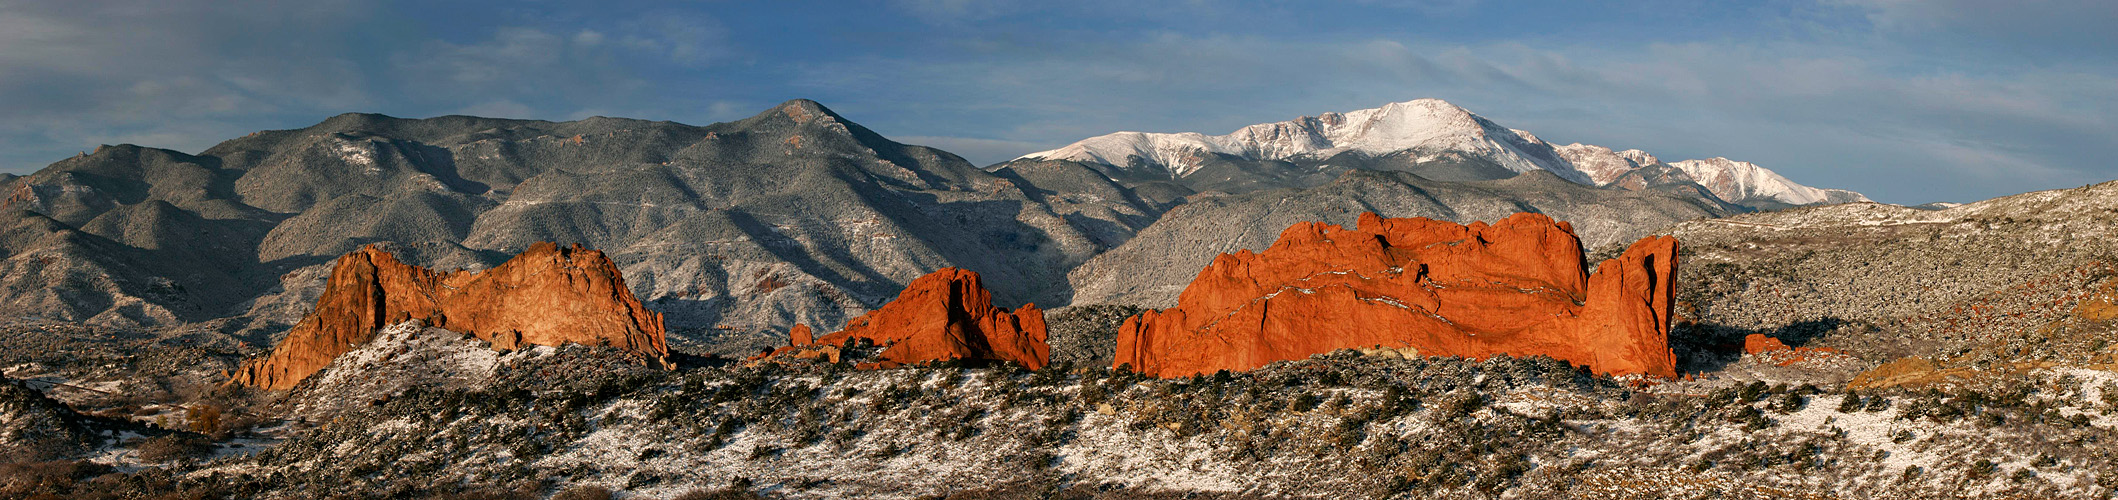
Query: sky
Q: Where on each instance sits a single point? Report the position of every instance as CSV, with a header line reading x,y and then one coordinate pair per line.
x,y
1906,101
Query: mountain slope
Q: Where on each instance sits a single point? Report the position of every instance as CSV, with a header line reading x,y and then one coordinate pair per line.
x,y
2008,280
739,230
735,229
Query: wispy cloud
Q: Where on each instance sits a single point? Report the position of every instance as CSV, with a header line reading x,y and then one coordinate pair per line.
x,y
1908,101
74,74
1821,114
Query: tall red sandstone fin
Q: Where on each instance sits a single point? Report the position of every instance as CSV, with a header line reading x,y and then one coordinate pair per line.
x,y
1629,309
546,295
1518,286
947,314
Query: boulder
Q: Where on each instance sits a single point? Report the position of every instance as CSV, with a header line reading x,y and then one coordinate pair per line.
x,y
1518,287
944,315
1757,343
1771,350
547,295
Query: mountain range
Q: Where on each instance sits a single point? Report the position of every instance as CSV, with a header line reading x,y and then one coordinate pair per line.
x,y
1431,137
739,230
1852,349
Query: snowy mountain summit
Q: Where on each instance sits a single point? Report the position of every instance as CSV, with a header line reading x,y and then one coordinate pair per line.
x,y
1426,130
1741,180
1420,127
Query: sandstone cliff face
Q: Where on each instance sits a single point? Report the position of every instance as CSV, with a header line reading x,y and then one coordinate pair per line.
x,y
545,296
946,314
1518,287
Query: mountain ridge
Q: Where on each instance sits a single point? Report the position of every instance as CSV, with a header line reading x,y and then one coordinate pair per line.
x,y
1430,130
735,230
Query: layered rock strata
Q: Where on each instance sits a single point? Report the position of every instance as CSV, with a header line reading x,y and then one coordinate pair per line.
x,y
1518,287
944,315
547,295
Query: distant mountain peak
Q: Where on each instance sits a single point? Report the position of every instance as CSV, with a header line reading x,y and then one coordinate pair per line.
x,y
1433,130
804,110
1420,127
1603,165
1747,183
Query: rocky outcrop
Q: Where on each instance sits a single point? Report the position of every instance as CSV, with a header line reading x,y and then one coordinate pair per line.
x,y
1771,350
1518,287
1758,343
944,315
547,295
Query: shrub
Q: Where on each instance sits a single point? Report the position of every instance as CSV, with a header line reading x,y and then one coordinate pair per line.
x,y
173,446
584,493
204,418
2022,475
1982,468
22,479
719,494
1751,392
761,452
1304,402
1851,403
1787,403
1461,405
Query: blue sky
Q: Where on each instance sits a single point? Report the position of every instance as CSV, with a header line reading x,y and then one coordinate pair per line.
x,y
1907,101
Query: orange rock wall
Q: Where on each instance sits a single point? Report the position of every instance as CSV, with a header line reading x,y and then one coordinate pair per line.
x,y
545,296
1518,287
947,314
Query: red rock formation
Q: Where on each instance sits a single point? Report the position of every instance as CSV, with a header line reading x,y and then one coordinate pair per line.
x,y
1517,287
1771,350
1758,343
546,296
947,314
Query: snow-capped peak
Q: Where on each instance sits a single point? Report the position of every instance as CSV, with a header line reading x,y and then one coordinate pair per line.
x,y
1428,128
1747,183
1418,126
1603,165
